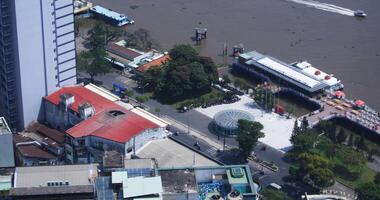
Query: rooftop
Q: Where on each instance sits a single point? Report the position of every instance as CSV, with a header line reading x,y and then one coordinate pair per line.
x,y
122,51
31,191
111,121
169,153
39,176
155,63
34,151
45,131
178,181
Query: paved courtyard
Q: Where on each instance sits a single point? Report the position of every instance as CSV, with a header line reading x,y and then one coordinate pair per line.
x,y
277,129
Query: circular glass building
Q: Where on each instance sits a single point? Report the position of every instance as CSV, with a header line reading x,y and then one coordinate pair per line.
x,y
226,121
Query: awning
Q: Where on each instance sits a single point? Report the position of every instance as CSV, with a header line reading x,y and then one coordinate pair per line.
x,y
359,103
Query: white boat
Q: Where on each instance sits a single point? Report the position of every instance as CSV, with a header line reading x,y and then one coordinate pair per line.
x,y
360,13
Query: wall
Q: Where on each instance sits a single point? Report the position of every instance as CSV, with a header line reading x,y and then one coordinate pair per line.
x,y
43,26
144,137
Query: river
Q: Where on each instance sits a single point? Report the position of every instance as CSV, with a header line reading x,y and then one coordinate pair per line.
x,y
322,32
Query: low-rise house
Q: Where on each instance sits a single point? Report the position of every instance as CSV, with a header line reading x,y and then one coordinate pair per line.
x,y
30,152
54,182
95,121
132,59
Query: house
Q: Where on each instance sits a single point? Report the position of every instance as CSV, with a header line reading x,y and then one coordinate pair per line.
x,y
96,121
54,182
30,152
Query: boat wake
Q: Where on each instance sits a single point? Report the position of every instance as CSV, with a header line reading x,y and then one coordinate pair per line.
x,y
325,7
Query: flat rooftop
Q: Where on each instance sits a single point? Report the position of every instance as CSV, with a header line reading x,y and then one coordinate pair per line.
x,y
39,176
178,181
169,153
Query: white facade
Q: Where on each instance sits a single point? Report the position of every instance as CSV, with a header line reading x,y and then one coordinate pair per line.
x,y
45,51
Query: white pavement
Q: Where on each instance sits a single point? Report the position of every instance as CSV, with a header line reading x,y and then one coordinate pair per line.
x,y
277,129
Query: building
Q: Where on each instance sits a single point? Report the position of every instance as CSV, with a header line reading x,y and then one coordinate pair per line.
x,y
96,121
39,145
205,183
134,60
55,182
169,154
30,152
37,55
6,145
300,76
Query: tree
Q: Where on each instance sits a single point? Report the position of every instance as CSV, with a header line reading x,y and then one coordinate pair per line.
x,y
152,77
210,68
362,144
296,131
183,54
350,140
248,135
304,123
271,194
183,76
226,79
377,178
322,177
342,136
316,169
157,110
304,141
93,61
369,191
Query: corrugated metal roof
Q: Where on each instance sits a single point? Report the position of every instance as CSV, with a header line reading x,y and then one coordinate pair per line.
x,y
104,124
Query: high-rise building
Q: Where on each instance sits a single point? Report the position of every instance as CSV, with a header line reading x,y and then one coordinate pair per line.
x,y
37,55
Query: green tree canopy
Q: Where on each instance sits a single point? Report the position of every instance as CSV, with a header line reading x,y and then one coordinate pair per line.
x,y
183,54
249,133
369,191
271,194
93,61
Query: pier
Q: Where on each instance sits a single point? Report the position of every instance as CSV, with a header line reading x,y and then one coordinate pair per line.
x,y
354,111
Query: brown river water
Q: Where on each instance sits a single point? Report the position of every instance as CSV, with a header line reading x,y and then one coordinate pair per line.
x,y
324,33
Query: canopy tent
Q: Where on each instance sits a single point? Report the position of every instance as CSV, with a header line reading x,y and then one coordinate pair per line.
x,y
339,94
359,103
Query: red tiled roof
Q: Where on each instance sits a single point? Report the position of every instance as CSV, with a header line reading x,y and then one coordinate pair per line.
x,y
122,51
34,151
118,128
157,62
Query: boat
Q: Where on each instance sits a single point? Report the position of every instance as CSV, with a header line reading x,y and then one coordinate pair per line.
x,y
360,13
